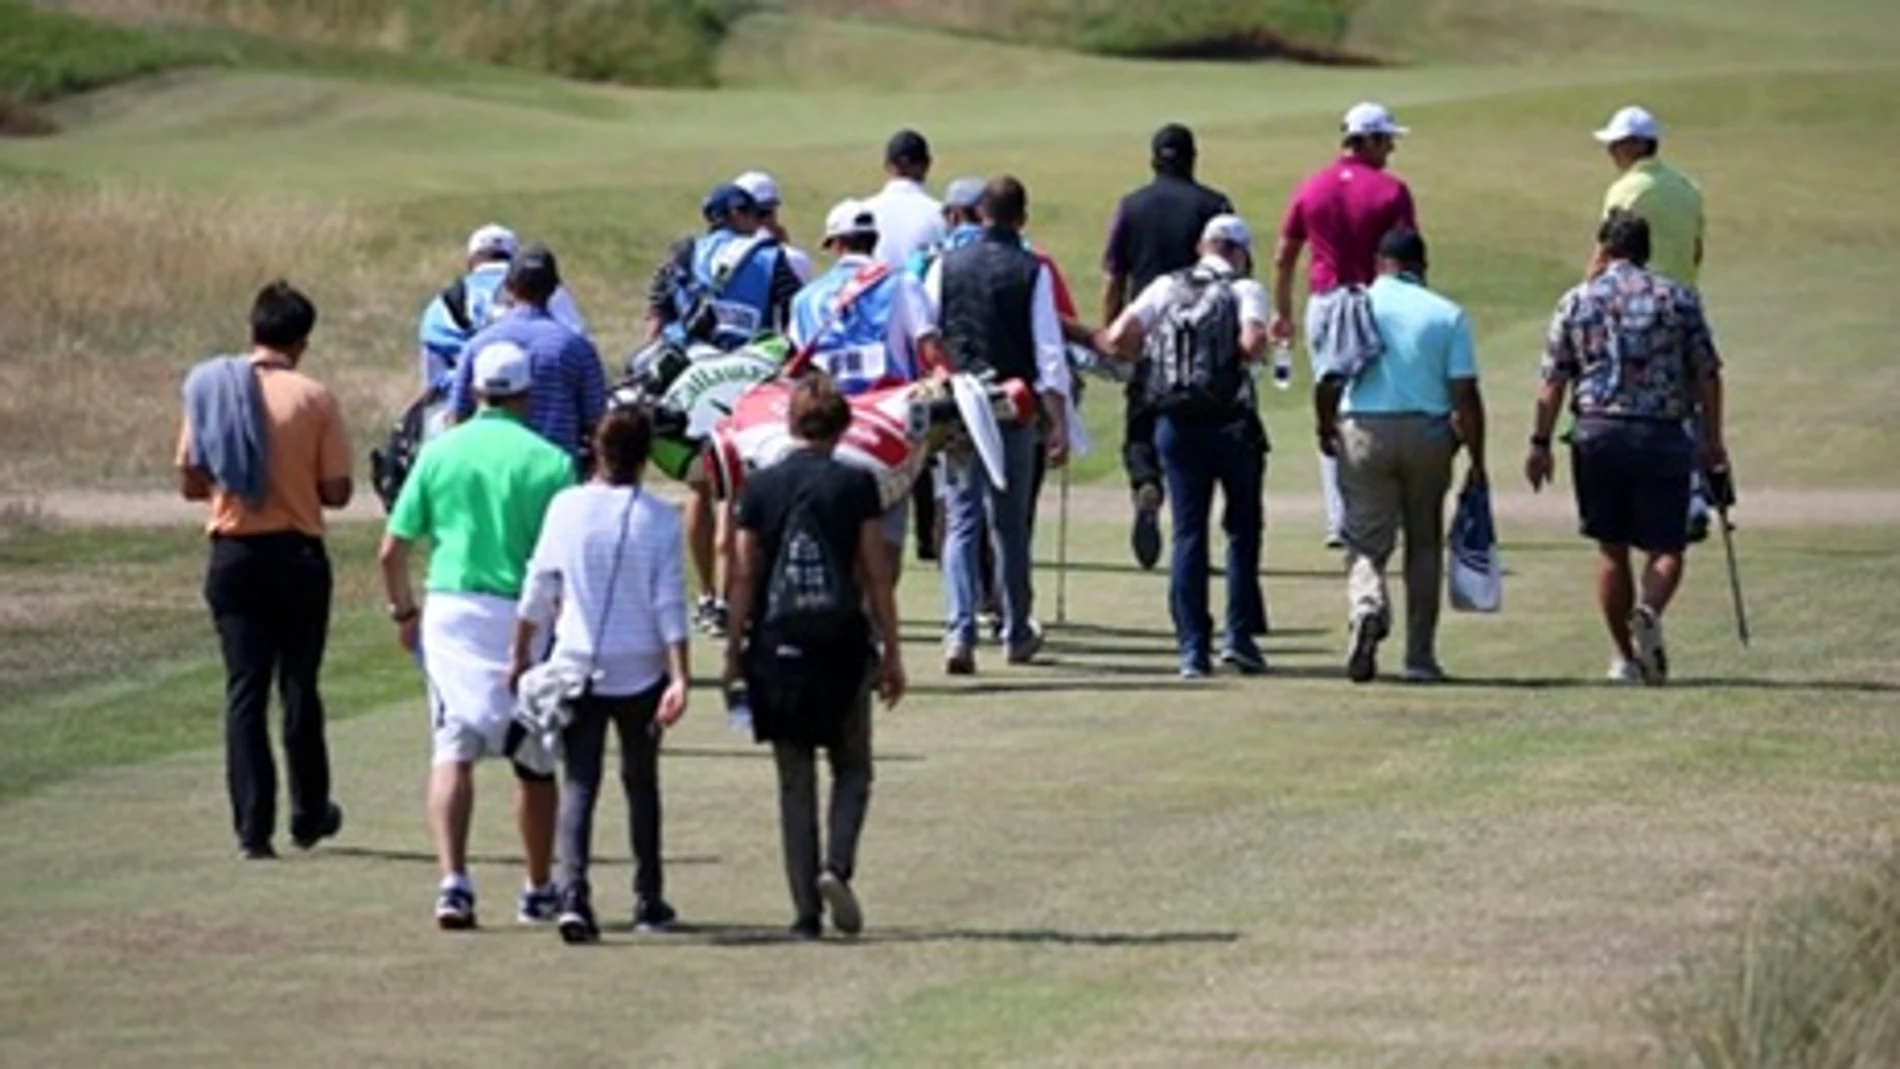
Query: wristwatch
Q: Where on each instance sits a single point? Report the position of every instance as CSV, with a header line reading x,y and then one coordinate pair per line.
x,y
1540,441
401,615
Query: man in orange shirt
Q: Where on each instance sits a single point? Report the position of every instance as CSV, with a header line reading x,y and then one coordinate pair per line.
x,y
265,445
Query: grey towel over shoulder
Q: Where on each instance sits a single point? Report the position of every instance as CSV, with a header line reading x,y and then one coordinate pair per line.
x,y
1344,336
230,440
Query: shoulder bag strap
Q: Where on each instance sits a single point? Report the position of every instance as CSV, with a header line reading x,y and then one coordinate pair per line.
x,y
867,279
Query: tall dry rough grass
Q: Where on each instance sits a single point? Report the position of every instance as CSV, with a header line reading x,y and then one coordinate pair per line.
x,y
1811,984
111,293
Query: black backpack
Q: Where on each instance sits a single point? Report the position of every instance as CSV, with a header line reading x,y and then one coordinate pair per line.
x,y
811,601
1194,347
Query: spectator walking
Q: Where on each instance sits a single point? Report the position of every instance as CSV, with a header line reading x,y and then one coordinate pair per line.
x,y
994,302
478,496
265,445
568,391
1156,231
475,299
1395,429
909,219
1634,354
1198,329
1342,211
868,325
610,562
808,567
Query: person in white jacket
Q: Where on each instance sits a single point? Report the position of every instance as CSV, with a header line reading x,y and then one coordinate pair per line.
x,y
610,562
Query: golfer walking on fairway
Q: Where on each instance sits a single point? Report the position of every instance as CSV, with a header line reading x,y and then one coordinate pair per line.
x,y
1394,430
1342,211
264,444
1632,350
478,495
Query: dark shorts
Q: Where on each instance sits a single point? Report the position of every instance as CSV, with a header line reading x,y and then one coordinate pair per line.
x,y
1632,479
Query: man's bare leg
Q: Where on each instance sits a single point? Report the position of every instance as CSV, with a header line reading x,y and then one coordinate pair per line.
x,y
1616,595
536,803
451,804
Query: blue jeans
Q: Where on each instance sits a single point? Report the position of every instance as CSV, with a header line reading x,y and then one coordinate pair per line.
x,y
1197,456
979,510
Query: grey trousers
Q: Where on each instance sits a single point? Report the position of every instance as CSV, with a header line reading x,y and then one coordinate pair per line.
x,y
1394,473
851,777
584,747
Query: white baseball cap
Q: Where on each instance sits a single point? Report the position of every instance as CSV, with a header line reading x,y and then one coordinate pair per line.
x,y
762,187
1630,122
1367,119
1229,228
503,370
850,218
493,238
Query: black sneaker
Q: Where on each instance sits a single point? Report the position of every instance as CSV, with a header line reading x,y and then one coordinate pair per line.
x,y
455,909
846,915
1145,537
1362,663
654,916
332,823
576,921
1246,662
261,852
808,930
709,615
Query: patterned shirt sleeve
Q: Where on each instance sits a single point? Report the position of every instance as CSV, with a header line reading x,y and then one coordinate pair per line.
x,y
1560,362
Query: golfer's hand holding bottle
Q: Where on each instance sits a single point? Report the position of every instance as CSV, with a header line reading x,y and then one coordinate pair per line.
x,y
1283,364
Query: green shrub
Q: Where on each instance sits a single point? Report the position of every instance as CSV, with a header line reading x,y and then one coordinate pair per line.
x,y
1812,984
46,54
1123,27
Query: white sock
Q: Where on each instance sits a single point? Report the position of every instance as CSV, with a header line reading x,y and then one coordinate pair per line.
x,y
458,882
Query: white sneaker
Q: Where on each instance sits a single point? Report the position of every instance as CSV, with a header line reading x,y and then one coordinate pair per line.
x,y
1646,633
1622,671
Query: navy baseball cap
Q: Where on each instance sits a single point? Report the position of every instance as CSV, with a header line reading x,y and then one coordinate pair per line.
x,y
907,146
1173,143
724,199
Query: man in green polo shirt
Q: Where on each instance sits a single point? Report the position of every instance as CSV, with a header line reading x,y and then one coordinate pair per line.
x,y
478,495
1672,206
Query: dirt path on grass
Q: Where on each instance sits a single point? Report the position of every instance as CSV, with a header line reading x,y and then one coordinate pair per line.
x,y
1092,504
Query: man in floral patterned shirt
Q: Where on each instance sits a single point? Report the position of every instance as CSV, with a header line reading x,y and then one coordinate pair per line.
x,y
1633,350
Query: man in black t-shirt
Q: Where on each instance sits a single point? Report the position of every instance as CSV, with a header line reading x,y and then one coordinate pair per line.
x,y
811,693
1156,231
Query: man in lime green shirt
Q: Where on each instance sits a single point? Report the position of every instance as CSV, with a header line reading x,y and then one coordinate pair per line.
x,y
1662,195
478,495
1672,206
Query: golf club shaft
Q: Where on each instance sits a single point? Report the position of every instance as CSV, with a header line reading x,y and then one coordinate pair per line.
x,y
1062,552
1734,578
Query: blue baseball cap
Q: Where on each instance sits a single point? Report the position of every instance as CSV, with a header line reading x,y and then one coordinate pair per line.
x,y
724,199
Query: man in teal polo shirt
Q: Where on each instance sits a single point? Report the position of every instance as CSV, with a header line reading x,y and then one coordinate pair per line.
x,y
478,494
1395,429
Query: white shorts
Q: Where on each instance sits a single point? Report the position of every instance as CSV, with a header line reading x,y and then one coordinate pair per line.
x,y
467,649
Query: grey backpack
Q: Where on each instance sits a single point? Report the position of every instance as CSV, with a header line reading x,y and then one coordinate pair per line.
x,y
1194,347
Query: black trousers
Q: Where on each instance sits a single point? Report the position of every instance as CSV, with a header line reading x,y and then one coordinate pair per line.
x,y
270,600
851,775
1140,458
584,746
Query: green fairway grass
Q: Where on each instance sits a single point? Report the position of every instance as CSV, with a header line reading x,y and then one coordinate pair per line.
x,y
1079,863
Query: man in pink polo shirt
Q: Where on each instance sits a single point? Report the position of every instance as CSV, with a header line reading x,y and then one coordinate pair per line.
x,y
1343,212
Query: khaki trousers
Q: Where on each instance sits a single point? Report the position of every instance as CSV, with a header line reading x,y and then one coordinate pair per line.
x,y
1394,473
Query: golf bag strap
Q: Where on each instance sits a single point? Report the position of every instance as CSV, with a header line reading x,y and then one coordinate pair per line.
x,y
867,279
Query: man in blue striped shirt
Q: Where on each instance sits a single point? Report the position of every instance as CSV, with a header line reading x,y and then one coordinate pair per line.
x,y
570,387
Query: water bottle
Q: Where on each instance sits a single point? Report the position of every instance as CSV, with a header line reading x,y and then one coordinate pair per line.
x,y
1282,366
738,709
